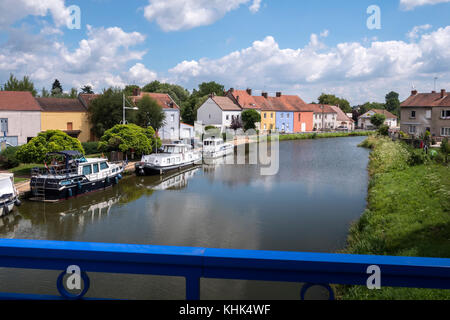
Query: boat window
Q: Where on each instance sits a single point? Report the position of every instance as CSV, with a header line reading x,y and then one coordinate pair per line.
x,y
96,168
87,170
104,166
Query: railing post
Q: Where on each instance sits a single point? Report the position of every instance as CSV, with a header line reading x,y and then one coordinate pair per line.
x,y
192,288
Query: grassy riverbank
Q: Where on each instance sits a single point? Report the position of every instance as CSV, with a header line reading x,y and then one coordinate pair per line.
x,y
408,214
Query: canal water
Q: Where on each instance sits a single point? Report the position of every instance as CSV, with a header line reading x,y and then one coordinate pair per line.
x,y
319,191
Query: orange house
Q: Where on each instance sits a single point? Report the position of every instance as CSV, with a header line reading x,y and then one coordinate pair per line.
x,y
303,121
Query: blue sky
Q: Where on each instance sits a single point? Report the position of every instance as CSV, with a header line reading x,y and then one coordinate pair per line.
x,y
298,47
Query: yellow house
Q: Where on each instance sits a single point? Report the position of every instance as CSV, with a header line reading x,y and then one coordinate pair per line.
x,y
68,115
268,120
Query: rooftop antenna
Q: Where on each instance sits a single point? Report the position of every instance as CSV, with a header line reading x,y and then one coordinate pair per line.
x,y
435,79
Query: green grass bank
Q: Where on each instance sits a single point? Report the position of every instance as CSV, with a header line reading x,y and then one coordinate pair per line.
x,y
408,214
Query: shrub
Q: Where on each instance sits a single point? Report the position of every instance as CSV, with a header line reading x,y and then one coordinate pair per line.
x,y
8,158
383,130
445,149
45,142
124,138
91,147
417,157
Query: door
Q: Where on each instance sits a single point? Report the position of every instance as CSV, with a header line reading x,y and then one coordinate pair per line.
x,y
303,127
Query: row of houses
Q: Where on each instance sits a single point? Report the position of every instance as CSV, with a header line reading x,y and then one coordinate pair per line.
x,y
23,117
282,113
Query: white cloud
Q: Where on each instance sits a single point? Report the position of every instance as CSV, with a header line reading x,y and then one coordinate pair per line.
x,y
411,4
415,32
15,10
100,59
140,75
174,15
354,70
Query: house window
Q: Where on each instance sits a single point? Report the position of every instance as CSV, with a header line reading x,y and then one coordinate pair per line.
x,y
265,115
69,126
445,132
299,117
412,129
172,131
428,114
413,114
228,117
287,115
282,115
271,115
4,125
265,127
173,117
445,114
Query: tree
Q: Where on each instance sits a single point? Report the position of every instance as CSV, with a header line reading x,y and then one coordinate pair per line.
x,y
150,113
445,149
378,120
176,92
125,138
87,90
190,107
56,88
20,85
370,106
106,111
45,142
250,118
73,93
393,103
235,123
129,90
331,99
45,93
207,88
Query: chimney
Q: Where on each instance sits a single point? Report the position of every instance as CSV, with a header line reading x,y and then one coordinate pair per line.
x,y
265,95
249,91
414,92
136,92
433,91
231,90
279,94
443,93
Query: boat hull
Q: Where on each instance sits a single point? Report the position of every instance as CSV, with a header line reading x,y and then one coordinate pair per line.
x,y
74,190
148,169
7,207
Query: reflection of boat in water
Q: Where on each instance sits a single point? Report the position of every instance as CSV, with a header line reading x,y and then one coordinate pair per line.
x,y
215,148
172,157
76,176
176,181
8,194
100,208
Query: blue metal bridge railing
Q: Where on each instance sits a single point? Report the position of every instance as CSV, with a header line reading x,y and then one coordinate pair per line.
x,y
196,263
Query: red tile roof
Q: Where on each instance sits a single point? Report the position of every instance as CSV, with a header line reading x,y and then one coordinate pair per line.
x,y
427,100
61,105
163,99
341,116
18,101
282,103
226,104
385,112
87,98
316,108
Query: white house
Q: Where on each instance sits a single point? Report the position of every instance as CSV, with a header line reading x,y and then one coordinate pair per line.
x,y
186,131
218,112
20,117
364,120
171,128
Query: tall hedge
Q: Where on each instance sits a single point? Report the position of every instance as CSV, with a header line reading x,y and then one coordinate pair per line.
x,y
45,142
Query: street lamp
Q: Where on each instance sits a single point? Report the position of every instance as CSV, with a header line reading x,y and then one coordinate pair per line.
x,y
124,121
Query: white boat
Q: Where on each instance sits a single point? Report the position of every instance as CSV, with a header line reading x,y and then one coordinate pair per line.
x,y
171,157
9,197
215,148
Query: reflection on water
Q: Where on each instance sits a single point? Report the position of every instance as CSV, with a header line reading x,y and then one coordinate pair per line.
x,y
308,206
